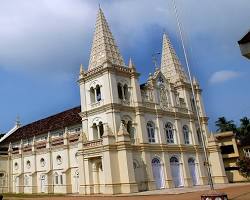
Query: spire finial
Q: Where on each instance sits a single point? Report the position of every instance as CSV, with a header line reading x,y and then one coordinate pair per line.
x,y
81,69
18,122
130,63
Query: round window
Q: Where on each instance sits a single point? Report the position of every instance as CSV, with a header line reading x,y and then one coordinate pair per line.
x,y
59,160
28,164
16,165
42,162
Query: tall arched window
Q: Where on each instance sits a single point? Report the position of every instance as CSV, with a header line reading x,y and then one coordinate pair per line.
x,y
101,130
26,180
169,133
95,131
98,93
119,88
151,132
92,95
56,178
125,90
98,130
186,134
199,136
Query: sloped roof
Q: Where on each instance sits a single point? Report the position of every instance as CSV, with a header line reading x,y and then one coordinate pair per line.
x,y
245,39
58,121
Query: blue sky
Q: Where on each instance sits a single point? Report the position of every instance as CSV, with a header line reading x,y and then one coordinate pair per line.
x,y
43,43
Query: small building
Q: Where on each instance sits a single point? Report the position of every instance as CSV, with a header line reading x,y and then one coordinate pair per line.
x,y
245,45
231,151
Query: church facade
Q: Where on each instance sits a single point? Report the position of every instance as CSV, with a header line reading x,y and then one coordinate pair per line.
x,y
123,138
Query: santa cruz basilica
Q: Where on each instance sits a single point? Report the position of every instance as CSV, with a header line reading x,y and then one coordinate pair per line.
x,y
124,137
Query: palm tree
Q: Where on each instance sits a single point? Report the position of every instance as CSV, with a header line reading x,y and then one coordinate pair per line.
x,y
243,132
224,125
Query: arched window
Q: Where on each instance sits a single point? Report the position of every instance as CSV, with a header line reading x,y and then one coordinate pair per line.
x,y
156,161
98,130
174,160
191,161
151,132
125,90
169,133
92,95
119,88
61,179
129,128
101,130
199,136
95,131
98,93
56,178
26,180
186,134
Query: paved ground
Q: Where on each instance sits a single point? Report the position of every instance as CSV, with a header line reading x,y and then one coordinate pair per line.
x,y
235,192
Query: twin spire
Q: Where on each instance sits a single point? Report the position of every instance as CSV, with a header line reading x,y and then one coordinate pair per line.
x,y
170,63
104,47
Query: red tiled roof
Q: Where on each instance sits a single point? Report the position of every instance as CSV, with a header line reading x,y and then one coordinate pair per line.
x,y
58,121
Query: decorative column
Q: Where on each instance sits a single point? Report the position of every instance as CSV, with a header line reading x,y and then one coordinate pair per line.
x,y
167,171
179,132
125,160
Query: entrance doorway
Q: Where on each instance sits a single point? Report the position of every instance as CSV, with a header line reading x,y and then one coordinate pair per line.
x,y
175,171
158,173
43,182
193,171
76,182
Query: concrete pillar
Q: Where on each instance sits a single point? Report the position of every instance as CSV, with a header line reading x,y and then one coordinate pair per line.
x,y
167,171
141,128
216,161
185,170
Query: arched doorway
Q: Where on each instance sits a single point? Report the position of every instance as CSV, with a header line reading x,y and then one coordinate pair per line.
x,y
76,181
158,173
193,171
17,184
175,171
43,182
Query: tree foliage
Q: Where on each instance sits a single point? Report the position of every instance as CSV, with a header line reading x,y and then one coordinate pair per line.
x,y
243,131
244,167
224,125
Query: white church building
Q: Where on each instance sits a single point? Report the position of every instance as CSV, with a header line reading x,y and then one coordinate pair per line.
x,y
123,138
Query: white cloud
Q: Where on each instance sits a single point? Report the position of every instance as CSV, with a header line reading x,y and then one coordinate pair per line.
x,y
223,75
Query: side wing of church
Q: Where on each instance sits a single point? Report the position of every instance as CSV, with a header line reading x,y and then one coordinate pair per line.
x,y
123,138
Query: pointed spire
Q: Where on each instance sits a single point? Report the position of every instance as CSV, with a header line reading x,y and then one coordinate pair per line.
x,y
81,69
104,47
131,64
170,63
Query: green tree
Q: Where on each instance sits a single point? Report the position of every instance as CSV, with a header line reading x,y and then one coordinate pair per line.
x,y
224,125
243,132
244,167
